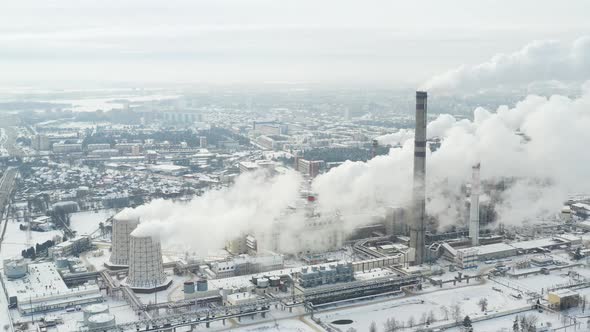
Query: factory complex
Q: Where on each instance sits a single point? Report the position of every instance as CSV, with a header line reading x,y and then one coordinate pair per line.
x,y
113,258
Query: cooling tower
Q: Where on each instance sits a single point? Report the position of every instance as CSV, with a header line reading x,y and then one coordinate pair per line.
x,y
417,228
123,225
146,270
474,209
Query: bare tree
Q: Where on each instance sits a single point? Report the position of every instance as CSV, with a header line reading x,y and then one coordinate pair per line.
x,y
515,325
483,304
531,323
373,327
423,318
411,322
431,317
456,312
391,325
445,311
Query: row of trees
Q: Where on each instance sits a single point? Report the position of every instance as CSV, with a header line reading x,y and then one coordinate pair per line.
x,y
453,312
37,250
525,323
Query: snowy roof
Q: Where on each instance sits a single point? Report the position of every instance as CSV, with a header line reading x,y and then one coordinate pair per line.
x,y
532,244
582,206
43,283
167,167
493,248
564,292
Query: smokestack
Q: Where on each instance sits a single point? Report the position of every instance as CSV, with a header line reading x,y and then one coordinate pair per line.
x,y
474,210
374,148
417,228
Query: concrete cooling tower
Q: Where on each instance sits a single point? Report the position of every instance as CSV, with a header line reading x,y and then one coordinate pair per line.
x,y
123,225
146,269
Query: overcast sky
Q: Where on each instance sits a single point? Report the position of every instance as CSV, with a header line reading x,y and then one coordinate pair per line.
x,y
260,41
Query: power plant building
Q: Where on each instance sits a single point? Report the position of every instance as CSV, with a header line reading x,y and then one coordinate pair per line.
x,y
43,289
325,275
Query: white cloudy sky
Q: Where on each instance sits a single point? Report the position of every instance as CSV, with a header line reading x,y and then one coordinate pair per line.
x,y
257,41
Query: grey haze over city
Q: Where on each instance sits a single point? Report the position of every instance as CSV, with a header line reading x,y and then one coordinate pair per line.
x,y
388,42
294,165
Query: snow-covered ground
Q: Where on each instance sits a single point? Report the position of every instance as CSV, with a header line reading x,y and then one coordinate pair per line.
x,y
87,222
15,240
74,320
414,307
504,323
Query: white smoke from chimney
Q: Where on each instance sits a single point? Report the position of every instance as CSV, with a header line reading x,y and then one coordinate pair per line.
x,y
540,61
541,142
254,201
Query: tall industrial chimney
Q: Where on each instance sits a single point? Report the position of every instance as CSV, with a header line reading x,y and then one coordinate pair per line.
x,y
474,210
417,228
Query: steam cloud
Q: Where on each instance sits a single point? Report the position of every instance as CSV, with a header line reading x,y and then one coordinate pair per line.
x,y
541,142
538,64
206,222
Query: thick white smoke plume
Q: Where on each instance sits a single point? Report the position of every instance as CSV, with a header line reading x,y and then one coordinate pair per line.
x,y
541,144
254,201
538,64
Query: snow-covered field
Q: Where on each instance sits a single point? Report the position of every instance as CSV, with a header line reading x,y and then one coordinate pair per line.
x,y
87,222
413,308
504,323
15,240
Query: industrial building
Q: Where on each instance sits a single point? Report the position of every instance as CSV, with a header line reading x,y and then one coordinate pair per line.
x,y
42,289
246,264
325,275
242,245
563,299
465,256
71,247
67,147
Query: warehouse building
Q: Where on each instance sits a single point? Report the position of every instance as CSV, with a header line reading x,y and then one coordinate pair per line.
x,y
42,289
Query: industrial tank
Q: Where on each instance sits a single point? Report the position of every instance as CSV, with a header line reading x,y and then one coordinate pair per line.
x,y
189,287
101,321
94,309
275,281
62,263
15,268
262,283
202,285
